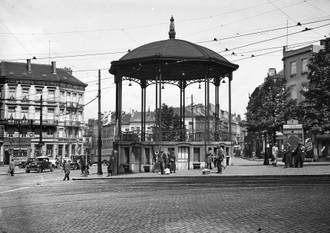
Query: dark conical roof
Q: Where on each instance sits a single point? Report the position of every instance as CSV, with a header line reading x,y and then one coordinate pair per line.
x,y
174,48
174,59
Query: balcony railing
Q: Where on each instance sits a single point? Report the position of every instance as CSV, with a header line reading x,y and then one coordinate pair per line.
x,y
46,122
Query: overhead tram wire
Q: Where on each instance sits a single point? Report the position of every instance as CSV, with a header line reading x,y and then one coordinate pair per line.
x,y
274,47
261,31
266,53
258,55
69,56
274,38
242,19
121,52
143,26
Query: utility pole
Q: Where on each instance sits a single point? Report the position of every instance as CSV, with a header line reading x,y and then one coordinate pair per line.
x,y
99,141
40,133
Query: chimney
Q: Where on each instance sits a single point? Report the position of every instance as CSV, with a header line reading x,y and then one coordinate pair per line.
x,y
53,67
28,65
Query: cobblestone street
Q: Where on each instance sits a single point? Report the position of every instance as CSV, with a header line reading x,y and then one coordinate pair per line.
x,y
166,204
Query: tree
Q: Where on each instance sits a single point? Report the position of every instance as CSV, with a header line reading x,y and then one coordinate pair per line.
x,y
268,109
170,124
315,109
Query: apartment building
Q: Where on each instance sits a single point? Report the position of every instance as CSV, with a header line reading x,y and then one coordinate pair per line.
x,y
41,111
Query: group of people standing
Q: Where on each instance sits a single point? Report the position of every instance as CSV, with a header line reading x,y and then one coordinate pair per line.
x,y
216,158
292,156
166,162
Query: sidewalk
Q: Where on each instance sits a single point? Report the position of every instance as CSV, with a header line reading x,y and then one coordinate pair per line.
x,y
238,167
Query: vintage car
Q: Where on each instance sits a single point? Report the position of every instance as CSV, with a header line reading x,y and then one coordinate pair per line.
x,y
38,164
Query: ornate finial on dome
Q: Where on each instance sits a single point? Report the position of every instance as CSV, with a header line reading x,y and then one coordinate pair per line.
x,y
172,33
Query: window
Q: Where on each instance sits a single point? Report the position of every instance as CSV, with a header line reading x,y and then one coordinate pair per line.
x,y
51,113
80,100
50,133
62,96
61,115
37,113
25,111
74,97
293,68
197,155
11,109
25,92
51,110
11,112
51,95
38,91
12,92
79,116
68,96
304,63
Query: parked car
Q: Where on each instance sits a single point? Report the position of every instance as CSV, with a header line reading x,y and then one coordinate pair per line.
x,y
55,162
38,164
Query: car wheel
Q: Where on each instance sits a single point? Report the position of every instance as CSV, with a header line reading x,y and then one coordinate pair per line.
x,y
27,171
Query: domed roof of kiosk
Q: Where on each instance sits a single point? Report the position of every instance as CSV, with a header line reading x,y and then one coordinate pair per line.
x,y
176,56
174,49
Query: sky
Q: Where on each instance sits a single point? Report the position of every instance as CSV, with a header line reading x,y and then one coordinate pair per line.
x,y
86,35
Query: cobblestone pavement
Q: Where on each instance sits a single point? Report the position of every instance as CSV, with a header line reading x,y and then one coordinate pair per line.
x,y
165,204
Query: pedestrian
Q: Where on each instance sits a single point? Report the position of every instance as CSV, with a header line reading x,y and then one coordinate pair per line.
x,y
66,169
287,158
172,162
300,155
109,168
295,156
219,157
166,160
11,168
161,162
274,154
82,165
208,159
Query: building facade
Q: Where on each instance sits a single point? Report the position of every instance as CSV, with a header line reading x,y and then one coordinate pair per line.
x,y
295,65
296,72
41,111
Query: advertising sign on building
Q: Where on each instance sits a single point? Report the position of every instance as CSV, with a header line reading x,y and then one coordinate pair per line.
x,y
293,133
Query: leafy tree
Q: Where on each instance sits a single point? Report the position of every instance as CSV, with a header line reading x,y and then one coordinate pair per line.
x,y
315,109
269,108
170,124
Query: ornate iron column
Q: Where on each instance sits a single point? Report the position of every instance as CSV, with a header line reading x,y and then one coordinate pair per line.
x,y
158,105
217,110
143,109
182,86
118,81
207,108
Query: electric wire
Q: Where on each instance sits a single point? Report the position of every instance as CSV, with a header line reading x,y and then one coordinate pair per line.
x,y
274,38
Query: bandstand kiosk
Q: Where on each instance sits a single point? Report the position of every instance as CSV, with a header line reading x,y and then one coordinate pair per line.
x,y
180,63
